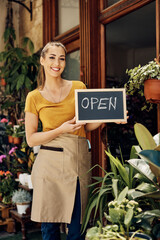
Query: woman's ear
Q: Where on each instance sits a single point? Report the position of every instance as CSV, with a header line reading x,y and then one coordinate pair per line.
x,y
41,60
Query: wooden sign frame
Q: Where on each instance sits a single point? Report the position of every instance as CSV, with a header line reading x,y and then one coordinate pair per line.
x,y
121,101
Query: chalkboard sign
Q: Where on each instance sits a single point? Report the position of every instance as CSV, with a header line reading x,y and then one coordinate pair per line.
x,y
100,105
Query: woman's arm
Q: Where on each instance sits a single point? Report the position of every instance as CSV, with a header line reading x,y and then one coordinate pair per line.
x,y
92,126
35,138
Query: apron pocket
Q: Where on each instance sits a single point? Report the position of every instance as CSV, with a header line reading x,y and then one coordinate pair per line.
x,y
49,164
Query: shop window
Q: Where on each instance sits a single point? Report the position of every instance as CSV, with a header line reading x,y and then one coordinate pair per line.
x,y
72,69
130,41
68,14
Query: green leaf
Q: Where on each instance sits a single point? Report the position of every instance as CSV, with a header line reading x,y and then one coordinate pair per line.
x,y
128,217
19,52
90,207
115,187
115,214
20,81
31,46
134,150
122,195
144,137
141,166
153,158
120,168
133,194
28,83
146,187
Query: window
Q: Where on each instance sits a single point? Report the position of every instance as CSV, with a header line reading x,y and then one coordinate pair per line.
x,y
72,69
68,14
130,41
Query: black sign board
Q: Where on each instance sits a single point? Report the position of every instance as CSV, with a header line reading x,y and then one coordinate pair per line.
x,y
100,105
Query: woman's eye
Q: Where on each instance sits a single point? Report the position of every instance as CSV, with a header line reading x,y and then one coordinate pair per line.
x,y
63,59
52,57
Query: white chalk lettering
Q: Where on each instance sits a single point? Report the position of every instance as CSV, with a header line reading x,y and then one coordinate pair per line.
x,y
93,101
82,103
102,105
112,104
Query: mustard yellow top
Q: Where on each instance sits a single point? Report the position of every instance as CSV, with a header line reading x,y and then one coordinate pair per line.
x,y
52,115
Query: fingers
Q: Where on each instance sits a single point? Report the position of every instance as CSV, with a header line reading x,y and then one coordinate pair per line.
x,y
72,121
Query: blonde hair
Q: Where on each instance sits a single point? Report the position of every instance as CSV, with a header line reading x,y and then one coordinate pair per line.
x,y
41,74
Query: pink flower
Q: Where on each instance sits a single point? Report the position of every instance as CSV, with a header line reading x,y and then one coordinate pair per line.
x,y
10,123
1,158
4,120
12,151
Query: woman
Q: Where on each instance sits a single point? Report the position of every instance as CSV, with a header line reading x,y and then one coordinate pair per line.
x,y
59,174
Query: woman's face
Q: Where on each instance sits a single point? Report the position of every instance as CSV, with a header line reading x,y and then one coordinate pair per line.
x,y
54,61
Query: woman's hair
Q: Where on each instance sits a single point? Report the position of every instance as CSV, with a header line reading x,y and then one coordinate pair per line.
x,y
41,74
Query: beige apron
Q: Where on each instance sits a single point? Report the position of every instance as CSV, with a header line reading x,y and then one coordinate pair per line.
x,y
54,178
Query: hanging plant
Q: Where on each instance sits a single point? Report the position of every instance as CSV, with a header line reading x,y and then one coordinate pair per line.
x,y
140,76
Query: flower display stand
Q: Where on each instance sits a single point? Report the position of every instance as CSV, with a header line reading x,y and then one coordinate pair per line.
x,y
23,219
5,220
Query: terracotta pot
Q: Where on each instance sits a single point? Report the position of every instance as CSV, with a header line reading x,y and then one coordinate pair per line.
x,y
10,139
152,90
3,82
17,140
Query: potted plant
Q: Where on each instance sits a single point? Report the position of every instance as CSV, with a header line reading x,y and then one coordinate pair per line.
x,y
19,132
145,80
126,220
9,132
19,67
22,199
123,174
7,186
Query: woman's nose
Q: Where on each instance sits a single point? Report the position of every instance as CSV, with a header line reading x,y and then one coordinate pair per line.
x,y
56,62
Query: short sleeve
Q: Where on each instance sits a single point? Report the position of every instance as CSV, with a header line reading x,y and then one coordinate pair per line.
x,y
83,86
80,85
30,105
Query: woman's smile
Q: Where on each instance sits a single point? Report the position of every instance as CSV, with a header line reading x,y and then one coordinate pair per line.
x,y
56,69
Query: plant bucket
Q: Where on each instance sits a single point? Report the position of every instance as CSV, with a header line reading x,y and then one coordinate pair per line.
x,y
152,90
22,207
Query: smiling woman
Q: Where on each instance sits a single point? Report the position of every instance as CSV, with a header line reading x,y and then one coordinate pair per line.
x,y
59,174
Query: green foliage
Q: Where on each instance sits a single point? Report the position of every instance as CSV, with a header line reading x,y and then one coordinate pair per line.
x,y
7,186
125,216
137,176
144,137
19,69
138,75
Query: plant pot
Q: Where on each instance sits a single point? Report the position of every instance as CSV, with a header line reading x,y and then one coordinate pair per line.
x,y
152,90
22,207
10,139
17,140
3,82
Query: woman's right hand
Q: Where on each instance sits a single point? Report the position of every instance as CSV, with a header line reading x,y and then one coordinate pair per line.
x,y
70,126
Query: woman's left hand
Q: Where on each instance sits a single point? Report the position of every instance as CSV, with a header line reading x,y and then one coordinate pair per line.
x,y
124,121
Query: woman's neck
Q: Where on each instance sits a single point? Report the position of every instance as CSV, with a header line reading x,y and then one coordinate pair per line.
x,y
53,83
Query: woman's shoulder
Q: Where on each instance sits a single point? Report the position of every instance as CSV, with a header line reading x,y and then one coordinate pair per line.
x,y
33,93
78,85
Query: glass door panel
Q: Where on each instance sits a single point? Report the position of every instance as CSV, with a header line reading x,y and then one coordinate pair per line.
x,y
130,41
72,69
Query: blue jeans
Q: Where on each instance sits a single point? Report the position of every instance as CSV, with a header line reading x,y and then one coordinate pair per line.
x,y
51,231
